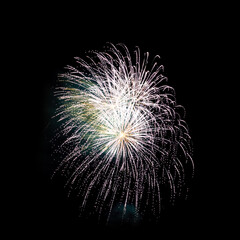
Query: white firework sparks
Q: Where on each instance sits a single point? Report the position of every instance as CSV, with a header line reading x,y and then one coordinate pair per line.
x,y
126,136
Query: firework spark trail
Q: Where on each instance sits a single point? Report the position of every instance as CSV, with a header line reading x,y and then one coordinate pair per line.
x,y
125,129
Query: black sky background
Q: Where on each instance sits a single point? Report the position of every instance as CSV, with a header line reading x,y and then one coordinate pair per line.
x,y
186,42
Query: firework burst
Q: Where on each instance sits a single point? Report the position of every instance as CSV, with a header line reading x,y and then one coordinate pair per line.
x,y
124,136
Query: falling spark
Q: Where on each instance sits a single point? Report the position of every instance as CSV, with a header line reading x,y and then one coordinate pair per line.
x,y
124,135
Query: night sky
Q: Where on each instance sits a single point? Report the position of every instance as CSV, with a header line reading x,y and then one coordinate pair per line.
x,y
186,46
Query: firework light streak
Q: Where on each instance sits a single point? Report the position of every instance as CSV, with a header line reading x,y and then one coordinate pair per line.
x,y
124,134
